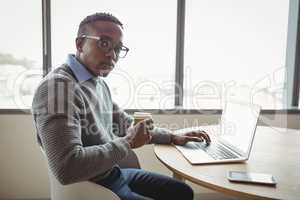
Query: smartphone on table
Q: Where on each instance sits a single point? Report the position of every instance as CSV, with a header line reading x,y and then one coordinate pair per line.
x,y
248,177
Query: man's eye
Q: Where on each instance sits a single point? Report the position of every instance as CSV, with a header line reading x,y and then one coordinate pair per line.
x,y
104,43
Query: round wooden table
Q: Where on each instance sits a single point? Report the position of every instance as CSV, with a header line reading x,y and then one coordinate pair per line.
x,y
275,151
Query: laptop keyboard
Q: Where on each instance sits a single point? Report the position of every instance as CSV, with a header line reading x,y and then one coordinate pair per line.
x,y
215,150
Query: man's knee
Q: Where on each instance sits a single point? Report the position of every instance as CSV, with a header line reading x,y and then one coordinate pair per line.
x,y
181,191
187,192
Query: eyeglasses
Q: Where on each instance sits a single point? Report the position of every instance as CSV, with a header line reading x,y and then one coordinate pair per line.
x,y
106,45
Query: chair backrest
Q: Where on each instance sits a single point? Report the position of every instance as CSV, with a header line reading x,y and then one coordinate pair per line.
x,y
77,191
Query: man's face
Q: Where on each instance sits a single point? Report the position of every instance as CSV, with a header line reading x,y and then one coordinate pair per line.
x,y
99,62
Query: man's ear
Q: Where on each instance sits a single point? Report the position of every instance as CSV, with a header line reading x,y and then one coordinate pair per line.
x,y
79,43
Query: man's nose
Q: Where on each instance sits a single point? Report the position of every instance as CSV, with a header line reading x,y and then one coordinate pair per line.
x,y
112,54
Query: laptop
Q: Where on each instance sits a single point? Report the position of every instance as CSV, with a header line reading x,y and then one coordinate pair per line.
x,y
232,142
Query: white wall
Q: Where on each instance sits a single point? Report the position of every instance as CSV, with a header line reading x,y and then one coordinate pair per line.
x,y
23,173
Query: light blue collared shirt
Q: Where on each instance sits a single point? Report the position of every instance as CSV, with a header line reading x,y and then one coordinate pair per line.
x,y
81,73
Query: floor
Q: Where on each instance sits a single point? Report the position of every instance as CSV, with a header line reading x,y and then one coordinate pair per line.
x,y
213,196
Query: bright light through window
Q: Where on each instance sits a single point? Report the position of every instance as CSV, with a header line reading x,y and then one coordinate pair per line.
x,y
235,50
145,78
20,52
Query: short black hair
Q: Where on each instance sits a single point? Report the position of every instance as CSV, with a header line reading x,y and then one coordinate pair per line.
x,y
102,16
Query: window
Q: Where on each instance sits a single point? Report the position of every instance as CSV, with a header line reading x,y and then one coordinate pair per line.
x,y
20,53
145,78
235,50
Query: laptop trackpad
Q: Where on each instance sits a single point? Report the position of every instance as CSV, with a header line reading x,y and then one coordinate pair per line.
x,y
195,155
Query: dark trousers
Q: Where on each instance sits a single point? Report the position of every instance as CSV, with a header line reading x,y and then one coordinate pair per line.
x,y
138,184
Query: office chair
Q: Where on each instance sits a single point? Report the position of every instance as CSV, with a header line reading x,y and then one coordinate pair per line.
x,y
86,189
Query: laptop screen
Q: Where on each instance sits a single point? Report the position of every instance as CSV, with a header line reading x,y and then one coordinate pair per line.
x,y
238,125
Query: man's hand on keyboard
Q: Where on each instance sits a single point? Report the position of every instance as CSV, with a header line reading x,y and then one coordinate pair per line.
x,y
196,136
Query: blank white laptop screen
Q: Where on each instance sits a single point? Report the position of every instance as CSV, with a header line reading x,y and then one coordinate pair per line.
x,y
237,125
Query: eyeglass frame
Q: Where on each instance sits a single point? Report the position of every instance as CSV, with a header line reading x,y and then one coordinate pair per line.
x,y
99,38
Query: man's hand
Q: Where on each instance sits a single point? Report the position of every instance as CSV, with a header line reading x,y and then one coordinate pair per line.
x,y
139,135
196,136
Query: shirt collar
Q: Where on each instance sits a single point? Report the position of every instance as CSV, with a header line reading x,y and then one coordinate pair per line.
x,y
81,73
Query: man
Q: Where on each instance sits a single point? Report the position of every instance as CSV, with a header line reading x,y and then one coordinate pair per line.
x,y
85,134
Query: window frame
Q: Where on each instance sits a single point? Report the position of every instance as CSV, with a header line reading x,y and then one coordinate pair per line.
x,y
292,76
